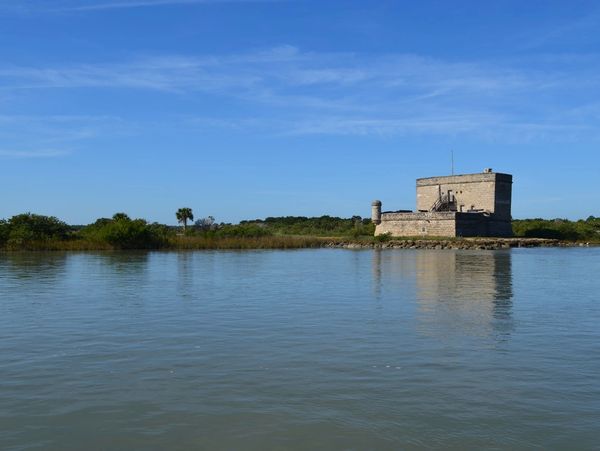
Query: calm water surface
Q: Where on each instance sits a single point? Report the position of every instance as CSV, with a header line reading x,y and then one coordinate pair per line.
x,y
316,349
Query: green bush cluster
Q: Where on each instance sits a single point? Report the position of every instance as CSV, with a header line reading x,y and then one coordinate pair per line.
x,y
317,226
383,238
27,228
31,231
244,230
122,232
560,229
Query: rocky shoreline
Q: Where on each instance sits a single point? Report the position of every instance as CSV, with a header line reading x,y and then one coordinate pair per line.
x,y
461,243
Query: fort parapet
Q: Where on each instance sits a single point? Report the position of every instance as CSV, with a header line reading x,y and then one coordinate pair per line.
x,y
453,206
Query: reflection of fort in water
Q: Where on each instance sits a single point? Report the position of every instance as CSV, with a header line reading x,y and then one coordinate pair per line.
x,y
483,278
468,289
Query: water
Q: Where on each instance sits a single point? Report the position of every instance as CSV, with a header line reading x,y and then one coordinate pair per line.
x,y
315,349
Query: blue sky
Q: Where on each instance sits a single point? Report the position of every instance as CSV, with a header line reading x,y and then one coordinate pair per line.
x,y
246,109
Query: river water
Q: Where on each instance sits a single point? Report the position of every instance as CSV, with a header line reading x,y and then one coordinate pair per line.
x,y
304,349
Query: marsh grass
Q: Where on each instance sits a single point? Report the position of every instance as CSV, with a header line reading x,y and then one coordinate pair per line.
x,y
263,242
59,245
183,243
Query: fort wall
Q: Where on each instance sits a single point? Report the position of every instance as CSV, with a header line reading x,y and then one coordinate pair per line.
x,y
452,206
488,192
418,224
450,224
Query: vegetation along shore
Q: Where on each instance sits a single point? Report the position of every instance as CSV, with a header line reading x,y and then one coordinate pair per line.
x,y
29,231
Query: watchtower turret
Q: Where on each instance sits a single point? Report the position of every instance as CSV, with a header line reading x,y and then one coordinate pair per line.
x,y
376,212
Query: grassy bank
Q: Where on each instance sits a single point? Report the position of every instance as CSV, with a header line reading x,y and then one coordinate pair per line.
x,y
178,243
35,232
262,242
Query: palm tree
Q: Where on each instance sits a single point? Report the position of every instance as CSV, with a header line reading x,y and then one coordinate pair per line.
x,y
184,215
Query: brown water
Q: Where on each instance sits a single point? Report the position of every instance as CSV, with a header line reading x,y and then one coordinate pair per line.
x,y
310,349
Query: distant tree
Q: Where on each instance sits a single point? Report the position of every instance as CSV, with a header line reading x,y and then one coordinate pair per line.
x,y
120,217
122,232
28,227
4,231
205,223
184,215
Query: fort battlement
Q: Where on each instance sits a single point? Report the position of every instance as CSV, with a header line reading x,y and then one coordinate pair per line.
x,y
456,205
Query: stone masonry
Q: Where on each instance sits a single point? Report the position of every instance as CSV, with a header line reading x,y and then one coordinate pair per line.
x,y
452,206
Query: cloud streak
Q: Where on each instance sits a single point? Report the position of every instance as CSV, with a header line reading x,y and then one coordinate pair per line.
x,y
155,3
37,6
43,153
286,69
353,94
52,136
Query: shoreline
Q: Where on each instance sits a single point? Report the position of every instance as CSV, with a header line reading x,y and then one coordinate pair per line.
x,y
312,242
463,244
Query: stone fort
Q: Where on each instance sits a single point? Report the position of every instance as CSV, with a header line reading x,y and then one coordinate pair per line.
x,y
453,206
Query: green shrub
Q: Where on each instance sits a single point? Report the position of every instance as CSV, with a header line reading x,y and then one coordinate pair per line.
x,y
4,231
28,228
316,226
561,229
123,232
383,238
242,231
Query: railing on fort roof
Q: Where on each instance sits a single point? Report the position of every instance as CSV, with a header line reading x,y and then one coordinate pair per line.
x,y
446,202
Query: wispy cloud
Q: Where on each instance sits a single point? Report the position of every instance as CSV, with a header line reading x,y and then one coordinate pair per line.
x,y
285,68
51,136
149,3
484,126
43,153
347,93
45,6
581,27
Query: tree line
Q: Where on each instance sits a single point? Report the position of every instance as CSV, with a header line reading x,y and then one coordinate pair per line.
x,y
32,231
560,229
